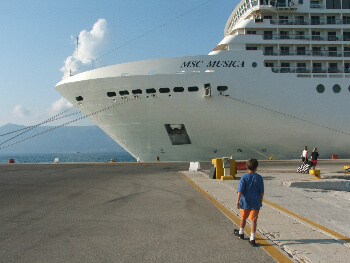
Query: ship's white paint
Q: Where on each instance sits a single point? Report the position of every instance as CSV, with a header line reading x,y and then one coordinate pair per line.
x,y
262,113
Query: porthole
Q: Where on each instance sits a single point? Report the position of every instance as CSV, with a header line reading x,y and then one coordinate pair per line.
x,y
192,89
179,89
222,88
336,88
254,64
320,88
111,94
136,91
149,91
79,98
123,92
164,90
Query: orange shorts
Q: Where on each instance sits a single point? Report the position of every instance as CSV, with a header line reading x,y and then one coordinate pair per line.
x,y
252,214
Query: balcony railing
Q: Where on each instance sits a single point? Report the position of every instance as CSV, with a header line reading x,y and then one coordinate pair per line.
x,y
310,21
308,70
306,37
325,53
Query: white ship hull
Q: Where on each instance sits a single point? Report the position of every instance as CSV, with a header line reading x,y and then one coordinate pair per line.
x,y
262,114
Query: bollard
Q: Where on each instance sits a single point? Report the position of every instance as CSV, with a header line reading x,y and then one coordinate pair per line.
x,y
56,160
221,172
316,173
11,160
157,158
195,167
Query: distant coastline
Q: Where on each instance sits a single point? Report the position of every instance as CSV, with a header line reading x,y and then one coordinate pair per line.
x,y
67,140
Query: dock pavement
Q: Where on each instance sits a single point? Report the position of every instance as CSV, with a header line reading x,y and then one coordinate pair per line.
x,y
306,218
162,212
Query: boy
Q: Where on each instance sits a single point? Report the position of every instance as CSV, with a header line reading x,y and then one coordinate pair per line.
x,y
249,200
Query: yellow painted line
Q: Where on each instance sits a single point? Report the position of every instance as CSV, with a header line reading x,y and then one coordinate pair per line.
x,y
325,229
268,247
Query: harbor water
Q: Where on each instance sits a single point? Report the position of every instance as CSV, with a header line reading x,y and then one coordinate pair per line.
x,y
67,157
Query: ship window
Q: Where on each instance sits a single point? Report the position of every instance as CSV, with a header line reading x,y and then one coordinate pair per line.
x,y
179,89
330,19
269,64
349,88
268,51
148,91
333,68
177,134
79,98
285,67
315,20
300,19
111,94
123,92
347,67
268,35
164,90
346,19
285,51
320,88
250,32
284,35
137,91
345,4
222,88
301,51
332,36
316,67
346,36
251,48
301,67
192,89
333,4
336,88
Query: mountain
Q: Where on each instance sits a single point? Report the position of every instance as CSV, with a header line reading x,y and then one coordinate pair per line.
x,y
67,139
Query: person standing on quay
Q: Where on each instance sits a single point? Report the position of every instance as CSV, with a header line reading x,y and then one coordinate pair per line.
x,y
249,200
304,155
314,156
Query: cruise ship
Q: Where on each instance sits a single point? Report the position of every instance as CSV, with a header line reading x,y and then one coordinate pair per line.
x,y
278,81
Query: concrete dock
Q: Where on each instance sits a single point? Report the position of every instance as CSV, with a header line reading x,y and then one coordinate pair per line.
x,y
161,212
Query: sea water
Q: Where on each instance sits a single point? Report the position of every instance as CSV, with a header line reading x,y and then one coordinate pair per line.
x,y
67,157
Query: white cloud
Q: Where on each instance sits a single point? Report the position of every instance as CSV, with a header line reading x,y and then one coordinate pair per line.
x,y
21,111
90,47
59,106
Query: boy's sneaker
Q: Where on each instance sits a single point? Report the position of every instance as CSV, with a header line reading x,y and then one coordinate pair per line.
x,y
236,233
252,243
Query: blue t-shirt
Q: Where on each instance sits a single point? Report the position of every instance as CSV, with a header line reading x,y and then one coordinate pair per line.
x,y
251,186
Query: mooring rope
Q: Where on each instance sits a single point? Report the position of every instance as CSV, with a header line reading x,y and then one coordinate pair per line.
x,y
53,118
285,114
67,123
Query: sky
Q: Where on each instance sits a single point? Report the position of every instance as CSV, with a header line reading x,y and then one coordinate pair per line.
x,y
38,44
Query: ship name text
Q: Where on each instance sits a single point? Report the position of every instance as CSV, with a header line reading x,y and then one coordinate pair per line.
x,y
213,64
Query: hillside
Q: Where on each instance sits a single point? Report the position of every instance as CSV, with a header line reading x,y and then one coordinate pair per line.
x,y
70,139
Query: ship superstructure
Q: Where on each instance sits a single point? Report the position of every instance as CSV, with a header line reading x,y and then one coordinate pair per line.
x,y
278,80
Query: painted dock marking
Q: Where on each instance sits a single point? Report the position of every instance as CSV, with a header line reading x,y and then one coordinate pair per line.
x,y
267,246
323,228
